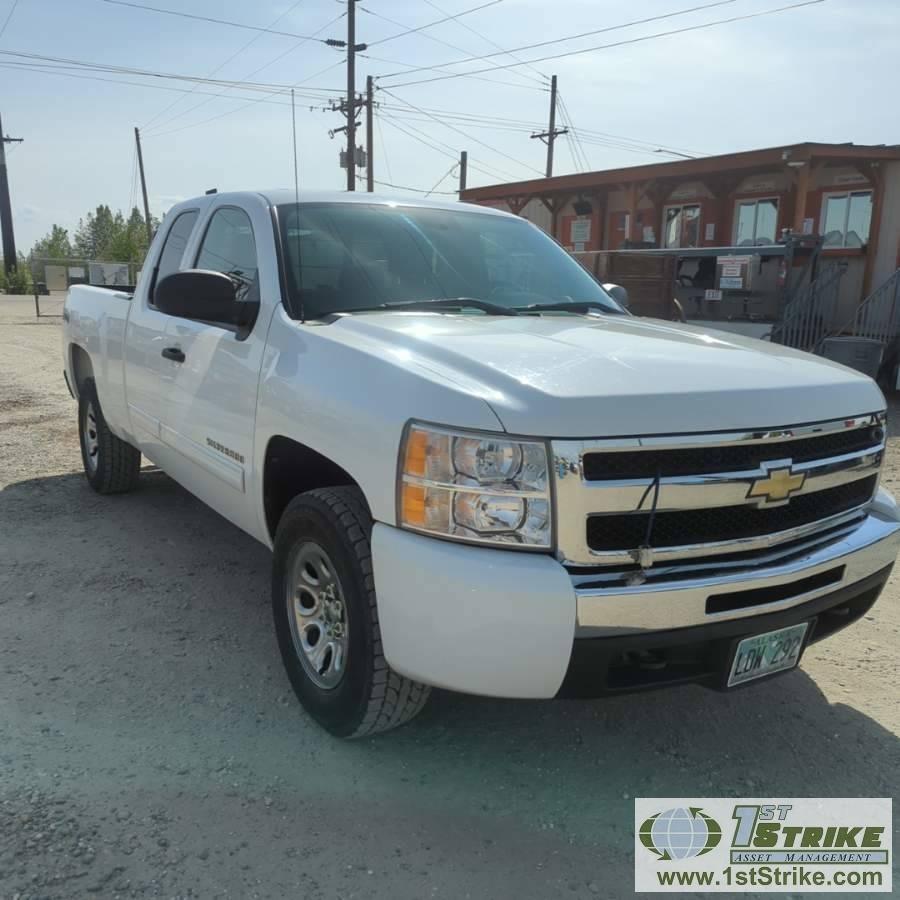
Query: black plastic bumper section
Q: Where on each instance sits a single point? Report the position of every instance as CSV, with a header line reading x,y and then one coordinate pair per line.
x,y
702,654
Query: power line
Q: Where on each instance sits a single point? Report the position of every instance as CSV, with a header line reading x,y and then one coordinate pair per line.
x,y
442,179
151,73
267,65
495,123
630,145
429,37
243,106
400,187
447,18
9,15
524,124
231,112
42,70
437,145
184,15
575,37
575,144
515,84
222,65
487,40
463,133
637,40
634,147
384,152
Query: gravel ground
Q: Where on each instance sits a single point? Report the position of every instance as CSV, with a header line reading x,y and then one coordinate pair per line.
x,y
150,744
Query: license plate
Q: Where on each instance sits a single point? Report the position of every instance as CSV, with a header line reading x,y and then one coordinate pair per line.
x,y
764,654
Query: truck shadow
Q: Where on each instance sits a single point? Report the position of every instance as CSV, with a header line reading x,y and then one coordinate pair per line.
x,y
186,595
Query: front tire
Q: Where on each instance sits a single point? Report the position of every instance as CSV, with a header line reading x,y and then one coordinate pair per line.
x,y
326,617
111,465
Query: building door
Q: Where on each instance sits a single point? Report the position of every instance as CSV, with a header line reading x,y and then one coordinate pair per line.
x,y
619,230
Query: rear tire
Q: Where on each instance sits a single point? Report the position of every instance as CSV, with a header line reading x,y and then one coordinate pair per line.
x,y
111,465
326,617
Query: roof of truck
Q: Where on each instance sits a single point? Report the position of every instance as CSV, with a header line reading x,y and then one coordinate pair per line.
x,y
278,196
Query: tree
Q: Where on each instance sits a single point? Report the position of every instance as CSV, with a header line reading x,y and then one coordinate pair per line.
x,y
96,232
130,241
101,235
54,245
19,280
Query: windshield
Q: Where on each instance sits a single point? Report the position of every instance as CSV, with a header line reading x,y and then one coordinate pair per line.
x,y
343,257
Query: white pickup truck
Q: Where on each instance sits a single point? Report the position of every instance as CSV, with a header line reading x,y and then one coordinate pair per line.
x,y
475,468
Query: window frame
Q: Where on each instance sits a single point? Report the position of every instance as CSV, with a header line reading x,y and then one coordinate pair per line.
x,y
848,193
198,238
154,279
686,204
291,299
241,332
755,200
208,225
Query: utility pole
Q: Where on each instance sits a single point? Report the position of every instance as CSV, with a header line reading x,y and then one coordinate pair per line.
x,y
463,171
140,156
370,132
6,222
552,133
350,104
351,95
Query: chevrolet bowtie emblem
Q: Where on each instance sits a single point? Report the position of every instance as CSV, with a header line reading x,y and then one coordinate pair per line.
x,y
778,485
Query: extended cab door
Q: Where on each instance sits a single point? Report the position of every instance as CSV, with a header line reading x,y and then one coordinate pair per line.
x,y
209,412
145,369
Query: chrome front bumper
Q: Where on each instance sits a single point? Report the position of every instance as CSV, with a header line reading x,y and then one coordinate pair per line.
x,y
614,611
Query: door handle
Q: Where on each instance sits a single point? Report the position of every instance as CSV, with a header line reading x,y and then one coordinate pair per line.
x,y
173,353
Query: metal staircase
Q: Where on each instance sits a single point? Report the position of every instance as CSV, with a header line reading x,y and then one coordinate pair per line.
x,y
878,316
808,317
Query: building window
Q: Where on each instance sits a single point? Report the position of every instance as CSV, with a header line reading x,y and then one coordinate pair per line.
x,y
681,227
846,218
756,222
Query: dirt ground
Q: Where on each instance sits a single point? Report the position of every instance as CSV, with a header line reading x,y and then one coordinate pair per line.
x,y
150,745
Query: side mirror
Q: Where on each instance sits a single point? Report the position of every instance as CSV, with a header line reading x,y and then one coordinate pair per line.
x,y
199,294
618,293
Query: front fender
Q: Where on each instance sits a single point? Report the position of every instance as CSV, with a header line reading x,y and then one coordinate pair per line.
x,y
350,401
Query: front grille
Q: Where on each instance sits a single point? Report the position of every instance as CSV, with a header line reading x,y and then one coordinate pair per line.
x,y
669,463
628,531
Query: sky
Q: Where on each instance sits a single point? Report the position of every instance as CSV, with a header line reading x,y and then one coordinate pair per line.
x,y
824,72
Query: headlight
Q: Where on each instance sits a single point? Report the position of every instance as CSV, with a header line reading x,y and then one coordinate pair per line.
x,y
477,487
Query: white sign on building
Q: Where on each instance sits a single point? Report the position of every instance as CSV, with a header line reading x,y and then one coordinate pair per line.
x,y
581,230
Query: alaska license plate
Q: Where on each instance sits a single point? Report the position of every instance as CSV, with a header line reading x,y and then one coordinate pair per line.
x,y
765,654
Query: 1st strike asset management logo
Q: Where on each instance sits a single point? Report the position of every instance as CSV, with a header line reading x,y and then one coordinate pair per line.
x,y
680,833
720,844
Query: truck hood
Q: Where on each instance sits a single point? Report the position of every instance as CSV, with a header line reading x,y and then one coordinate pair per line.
x,y
577,376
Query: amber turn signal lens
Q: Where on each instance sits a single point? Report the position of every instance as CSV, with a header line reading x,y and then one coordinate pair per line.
x,y
416,451
412,505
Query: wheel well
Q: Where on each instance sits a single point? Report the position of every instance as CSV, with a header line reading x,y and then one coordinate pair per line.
x,y
82,369
292,468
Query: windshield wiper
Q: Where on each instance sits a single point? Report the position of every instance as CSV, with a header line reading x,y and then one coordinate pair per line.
x,y
582,307
492,309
